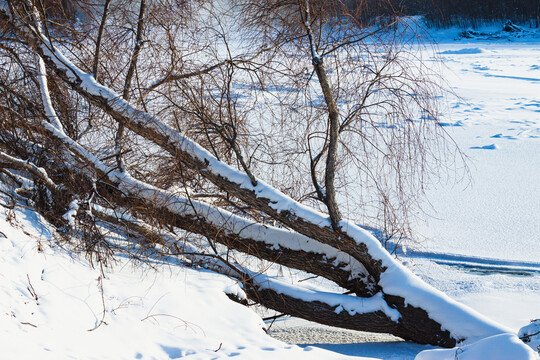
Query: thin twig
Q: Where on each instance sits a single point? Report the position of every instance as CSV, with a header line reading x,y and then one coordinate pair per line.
x,y
95,67
100,284
31,290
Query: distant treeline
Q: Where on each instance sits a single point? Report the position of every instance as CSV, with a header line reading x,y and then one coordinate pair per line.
x,y
444,13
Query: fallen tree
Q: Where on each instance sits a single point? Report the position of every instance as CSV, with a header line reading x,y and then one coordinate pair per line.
x,y
97,155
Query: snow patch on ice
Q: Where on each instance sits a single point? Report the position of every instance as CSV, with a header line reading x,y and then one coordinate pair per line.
x,y
466,51
486,147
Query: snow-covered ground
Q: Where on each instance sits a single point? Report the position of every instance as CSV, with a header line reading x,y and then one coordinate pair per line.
x,y
52,307
481,247
497,125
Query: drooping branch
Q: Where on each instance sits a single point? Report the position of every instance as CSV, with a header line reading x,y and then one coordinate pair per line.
x,y
45,95
172,76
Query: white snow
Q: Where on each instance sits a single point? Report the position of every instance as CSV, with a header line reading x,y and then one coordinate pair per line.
x,y
530,334
70,215
498,347
52,307
496,215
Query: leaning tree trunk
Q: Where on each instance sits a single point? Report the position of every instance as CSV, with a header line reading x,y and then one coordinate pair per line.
x,y
389,298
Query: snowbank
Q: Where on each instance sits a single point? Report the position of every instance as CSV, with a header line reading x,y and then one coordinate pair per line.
x,y
52,306
498,347
530,334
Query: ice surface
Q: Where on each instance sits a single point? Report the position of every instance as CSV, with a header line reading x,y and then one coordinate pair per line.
x,y
497,214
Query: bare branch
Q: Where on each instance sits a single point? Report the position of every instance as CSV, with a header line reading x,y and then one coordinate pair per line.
x,y
95,66
38,172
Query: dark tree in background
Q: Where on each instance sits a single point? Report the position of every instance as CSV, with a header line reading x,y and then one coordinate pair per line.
x,y
444,13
